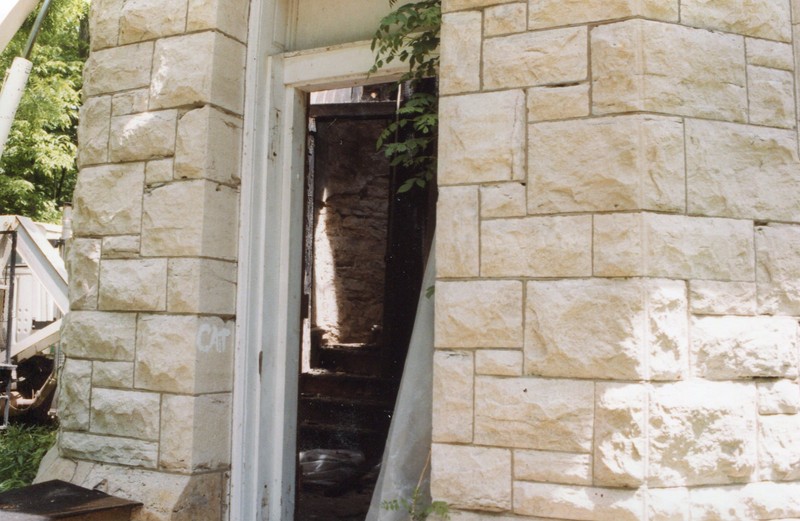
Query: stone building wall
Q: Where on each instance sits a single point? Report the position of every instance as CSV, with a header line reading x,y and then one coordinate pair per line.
x,y
618,256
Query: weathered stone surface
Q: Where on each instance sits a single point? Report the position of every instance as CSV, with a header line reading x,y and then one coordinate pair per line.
x,y
117,69
498,362
476,478
553,467
457,243
773,500
535,58
668,504
723,503
184,354
723,159
771,94
159,171
133,285
778,269
460,65
104,23
532,413
778,397
209,146
228,16
456,5
143,136
505,19
702,433
725,348
99,335
712,297
502,200
205,67
558,102
606,164
93,130
108,449
779,447
130,102
201,286
83,265
574,502
121,246
769,54
559,246
149,19
108,200
603,328
675,246
765,19
552,13
482,138
113,374
75,391
652,66
131,414
453,384
189,442
620,444
478,314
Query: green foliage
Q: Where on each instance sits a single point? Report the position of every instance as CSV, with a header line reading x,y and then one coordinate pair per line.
x,y
21,450
417,511
38,170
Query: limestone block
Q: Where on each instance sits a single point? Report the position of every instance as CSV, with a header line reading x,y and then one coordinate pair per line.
x,y
533,413
606,329
559,246
778,397
190,218
668,504
159,171
505,19
535,58
723,503
83,265
655,67
713,297
725,348
558,102
606,164
113,374
722,161
209,146
552,13
130,102
779,447
104,23
457,243
189,442
453,384
201,286
675,246
75,383
198,68
108,200
109,449
93,130
228,16
764,19
460,65
702,433
478,314
131,414
771,95
476,478
482,137
121,246
575,502
99,335
456,5
778,269
501,200
143,136
150,19
133,285
498,362
620,444
769,54
773,500
117,69
184,354
474,516
553,467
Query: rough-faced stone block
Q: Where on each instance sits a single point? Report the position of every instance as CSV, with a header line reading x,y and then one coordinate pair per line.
x,y
606,164
117,69
535,58
478,314
771,94
457,244
559,246
150,19
228,16
769,54
620,444
778,397
108,200
453,384
778,269
779,447
130,414
668,504
99,335
456,5
713,297
553,467
75,392
460,65
498,362
761,18
121,247
532,413
130,102
558,102
482,138
159,171
83,265
553,13
575,502
209,146
143,136
502,200
505,19
93,130
133,285
476,478
112,374
719,503
656,67
772,500
189,442
104,23
109,449
201,286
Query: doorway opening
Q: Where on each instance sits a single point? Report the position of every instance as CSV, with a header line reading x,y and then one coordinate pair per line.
x,y
365,247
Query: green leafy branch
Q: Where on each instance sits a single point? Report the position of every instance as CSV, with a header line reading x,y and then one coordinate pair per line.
x,y
414,508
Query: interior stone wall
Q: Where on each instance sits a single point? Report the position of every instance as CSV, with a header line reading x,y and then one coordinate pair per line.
x,y
618,256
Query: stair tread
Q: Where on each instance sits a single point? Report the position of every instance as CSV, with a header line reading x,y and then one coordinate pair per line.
x,y
61,500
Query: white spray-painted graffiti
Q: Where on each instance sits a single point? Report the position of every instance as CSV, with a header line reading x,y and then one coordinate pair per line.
x,y
214,336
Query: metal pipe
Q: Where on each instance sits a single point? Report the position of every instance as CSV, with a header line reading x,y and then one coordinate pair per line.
x,y
37,25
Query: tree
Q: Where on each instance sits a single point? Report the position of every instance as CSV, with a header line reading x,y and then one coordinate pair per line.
x,y
38,169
